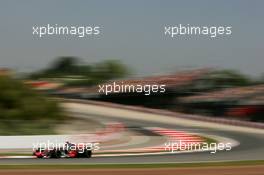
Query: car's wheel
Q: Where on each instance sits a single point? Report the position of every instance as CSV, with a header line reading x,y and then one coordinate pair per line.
x,y
54,154
58,154
87,153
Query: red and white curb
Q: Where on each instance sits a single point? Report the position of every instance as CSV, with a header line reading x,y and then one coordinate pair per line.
x,y
171,135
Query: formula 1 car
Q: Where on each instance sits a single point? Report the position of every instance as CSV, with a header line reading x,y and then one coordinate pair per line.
x,y
69,151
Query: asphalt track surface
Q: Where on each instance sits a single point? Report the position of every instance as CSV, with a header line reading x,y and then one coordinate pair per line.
x,y
251,148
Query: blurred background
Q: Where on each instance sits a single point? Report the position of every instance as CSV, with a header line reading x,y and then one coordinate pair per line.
x,y
27,106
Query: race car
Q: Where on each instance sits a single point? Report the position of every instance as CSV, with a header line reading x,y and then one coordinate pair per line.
x,y
69,151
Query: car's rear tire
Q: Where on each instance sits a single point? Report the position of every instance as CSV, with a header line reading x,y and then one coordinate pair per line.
x,y
88,153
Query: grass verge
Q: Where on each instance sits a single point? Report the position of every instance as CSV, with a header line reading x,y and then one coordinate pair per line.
x,y
114,166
